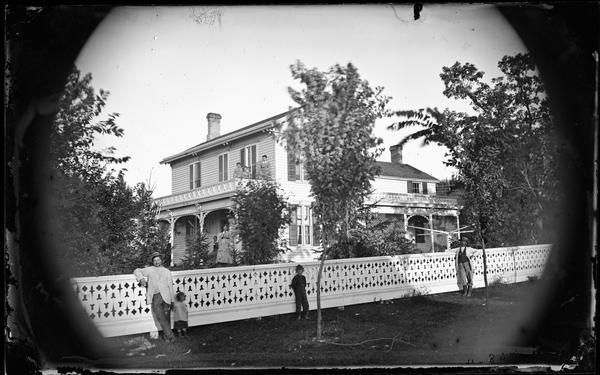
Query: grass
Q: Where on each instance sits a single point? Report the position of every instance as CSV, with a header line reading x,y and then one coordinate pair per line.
x,y
438,329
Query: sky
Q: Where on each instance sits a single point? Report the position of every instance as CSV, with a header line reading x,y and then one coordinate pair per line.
x,y
167,67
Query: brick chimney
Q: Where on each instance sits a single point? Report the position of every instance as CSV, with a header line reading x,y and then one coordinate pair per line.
x,y
214,125
396,153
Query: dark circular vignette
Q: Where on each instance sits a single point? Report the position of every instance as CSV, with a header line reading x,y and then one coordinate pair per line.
x,y
43,43
562,38
48,325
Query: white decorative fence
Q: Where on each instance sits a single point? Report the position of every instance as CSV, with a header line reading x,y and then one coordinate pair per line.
x,y
117,304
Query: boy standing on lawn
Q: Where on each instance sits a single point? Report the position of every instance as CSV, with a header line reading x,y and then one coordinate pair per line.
x,y
299,287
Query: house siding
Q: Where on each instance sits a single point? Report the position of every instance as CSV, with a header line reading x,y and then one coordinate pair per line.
x,y
180,174
388,185
180,182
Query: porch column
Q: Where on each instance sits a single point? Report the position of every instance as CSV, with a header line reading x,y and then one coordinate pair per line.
x,y
457,227
405,223
431,233
172,234
200,216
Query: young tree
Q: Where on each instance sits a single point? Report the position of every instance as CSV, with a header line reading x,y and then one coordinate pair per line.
x,y
331,133
197,252
149,234
260,213
505,150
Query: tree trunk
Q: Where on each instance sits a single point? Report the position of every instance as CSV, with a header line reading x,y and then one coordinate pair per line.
x,y
319,324
485,280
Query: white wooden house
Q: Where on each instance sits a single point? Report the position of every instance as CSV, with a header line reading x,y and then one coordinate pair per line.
x,y
203,184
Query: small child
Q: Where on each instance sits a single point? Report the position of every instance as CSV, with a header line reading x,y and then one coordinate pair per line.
x,y
181,314
299,287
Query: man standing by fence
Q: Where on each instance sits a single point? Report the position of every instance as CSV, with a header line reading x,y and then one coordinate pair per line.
x,y
159,292
464,268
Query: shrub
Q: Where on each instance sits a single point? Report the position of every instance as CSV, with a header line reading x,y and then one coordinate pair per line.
x,y
197,252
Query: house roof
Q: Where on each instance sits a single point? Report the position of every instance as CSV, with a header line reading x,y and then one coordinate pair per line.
x,y
225,138
404,171
387,169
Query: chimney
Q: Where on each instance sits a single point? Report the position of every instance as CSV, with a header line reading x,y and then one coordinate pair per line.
x,y
214,125
396,152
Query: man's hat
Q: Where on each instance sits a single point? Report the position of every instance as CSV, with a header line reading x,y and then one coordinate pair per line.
x,y
154,255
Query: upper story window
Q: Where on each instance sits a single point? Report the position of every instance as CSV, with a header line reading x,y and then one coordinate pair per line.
x,y
195,172
295,168
413,187
223,167
248,160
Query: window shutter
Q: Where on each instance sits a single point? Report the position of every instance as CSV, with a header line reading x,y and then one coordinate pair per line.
x,y
198,174
293,235
253,161
424,187
191,176
225,167
220,168
291,166
243,157
409,186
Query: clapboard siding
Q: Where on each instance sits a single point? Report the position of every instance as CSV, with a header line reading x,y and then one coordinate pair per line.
x,y
265,145
180,174
388,185
179,241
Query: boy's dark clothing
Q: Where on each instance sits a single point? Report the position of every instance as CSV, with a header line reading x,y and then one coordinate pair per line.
x,y
299,287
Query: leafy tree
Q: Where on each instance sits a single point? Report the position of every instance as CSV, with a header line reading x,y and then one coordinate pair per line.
x,y
504,150
260,213
103,225
331,133
81,180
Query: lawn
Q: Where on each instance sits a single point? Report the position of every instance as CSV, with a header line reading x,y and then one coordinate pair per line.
x,y
435,330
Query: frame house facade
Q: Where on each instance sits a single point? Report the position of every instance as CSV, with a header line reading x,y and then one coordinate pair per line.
x,y
202,184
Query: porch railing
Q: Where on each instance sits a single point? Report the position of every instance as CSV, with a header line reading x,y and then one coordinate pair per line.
x,y
117,304
401,198
198,193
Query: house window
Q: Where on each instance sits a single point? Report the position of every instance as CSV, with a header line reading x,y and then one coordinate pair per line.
x,y
303,230
295,170
413,187
223,167
307,224
195,171
248,159
293,237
